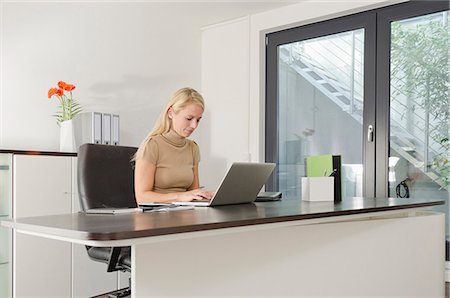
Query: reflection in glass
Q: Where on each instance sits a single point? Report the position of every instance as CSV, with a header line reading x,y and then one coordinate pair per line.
x,y
419,107
320,98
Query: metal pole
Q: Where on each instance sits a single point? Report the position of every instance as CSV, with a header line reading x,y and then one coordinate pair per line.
x,y
352,75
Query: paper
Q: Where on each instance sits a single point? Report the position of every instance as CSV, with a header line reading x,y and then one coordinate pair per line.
x,y
112,210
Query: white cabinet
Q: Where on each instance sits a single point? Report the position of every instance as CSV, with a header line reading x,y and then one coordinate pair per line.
x,y
46,185
42,185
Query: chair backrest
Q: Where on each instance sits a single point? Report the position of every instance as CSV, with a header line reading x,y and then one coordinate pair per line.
x,y
106,176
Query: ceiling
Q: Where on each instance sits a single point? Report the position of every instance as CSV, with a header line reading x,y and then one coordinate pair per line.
x,y
205,12
209,12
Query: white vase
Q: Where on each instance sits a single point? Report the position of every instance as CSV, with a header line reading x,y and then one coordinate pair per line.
x,y
67,137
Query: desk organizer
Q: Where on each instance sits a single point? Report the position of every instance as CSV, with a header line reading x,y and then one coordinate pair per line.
x,y
318,189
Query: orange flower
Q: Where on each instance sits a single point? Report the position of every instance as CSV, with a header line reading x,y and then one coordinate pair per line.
x,y
68,108
51,92
68,87
61,84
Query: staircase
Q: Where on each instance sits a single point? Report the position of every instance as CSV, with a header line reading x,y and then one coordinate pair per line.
x,y
322,66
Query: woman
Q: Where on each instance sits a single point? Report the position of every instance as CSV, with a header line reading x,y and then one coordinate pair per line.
x,y
166,161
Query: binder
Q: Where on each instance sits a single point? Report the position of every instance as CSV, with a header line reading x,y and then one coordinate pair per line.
x,y
97,128
326,165
115,130
106,129
88,128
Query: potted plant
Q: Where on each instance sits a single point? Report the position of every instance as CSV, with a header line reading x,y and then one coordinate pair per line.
x,y
68,108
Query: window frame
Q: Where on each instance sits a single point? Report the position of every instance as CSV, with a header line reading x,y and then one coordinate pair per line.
x,y
376,24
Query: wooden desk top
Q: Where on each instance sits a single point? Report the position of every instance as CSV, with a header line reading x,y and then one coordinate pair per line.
x,y
36,152
107,227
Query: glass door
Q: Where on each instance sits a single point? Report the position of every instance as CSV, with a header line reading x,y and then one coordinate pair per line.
x,y
321,104
413,62
371,87
419,107
317,86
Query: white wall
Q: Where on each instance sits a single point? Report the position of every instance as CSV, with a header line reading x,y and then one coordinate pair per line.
x,y
124,58
220,44
225,80
115,54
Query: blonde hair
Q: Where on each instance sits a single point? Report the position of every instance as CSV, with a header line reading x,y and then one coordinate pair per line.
x,y
179,100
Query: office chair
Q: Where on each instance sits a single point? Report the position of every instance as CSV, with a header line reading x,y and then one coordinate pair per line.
x,y
106,180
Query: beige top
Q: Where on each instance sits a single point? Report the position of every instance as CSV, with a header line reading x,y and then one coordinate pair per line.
x,y
174,158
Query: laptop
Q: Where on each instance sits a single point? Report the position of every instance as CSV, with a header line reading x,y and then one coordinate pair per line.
x,y
241,184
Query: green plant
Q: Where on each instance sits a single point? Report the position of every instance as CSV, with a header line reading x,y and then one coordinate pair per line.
x,y
420,72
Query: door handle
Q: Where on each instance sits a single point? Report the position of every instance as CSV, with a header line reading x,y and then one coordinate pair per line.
x,y
370,133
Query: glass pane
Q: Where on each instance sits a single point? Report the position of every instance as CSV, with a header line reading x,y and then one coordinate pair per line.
x,y
320,98
5,233
419,107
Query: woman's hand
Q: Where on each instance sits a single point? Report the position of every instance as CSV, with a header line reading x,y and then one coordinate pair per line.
x,y
144,180
194,195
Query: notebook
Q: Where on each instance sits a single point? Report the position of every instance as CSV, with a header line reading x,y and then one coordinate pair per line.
x,y
157,207
269,196
241,184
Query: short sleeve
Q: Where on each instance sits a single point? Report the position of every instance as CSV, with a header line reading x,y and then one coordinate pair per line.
x,y
195,152
151,152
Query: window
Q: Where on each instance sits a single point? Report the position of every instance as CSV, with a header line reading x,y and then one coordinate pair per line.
x,y
330,82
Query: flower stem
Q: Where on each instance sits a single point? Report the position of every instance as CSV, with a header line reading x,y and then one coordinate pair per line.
x,y
70,106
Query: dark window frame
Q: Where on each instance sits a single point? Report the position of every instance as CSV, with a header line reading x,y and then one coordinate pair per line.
x,y
376,77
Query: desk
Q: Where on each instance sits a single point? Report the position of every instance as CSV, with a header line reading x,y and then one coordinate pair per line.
x,y
360,247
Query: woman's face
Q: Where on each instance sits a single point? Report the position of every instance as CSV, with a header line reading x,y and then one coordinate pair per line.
x,y
186,120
